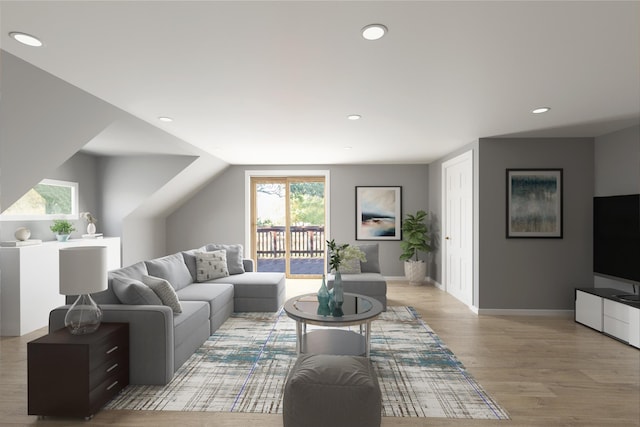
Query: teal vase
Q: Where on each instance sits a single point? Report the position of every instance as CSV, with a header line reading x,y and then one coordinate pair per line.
x,y
323,299
338,295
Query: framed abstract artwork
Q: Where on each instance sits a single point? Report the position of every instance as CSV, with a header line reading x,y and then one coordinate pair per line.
x,y
378,213
534,203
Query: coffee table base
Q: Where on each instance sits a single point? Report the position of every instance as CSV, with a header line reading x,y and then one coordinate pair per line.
x,y
334,341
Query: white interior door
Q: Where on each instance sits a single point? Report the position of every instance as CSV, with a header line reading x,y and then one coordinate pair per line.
x,y
457,192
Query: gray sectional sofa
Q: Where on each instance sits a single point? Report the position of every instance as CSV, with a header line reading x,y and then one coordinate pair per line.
x,y
165,332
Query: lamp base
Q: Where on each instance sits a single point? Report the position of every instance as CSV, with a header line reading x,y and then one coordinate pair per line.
x,y
84,316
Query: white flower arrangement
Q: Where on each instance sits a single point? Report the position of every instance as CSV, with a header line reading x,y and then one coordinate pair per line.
x,y
88,217
341,253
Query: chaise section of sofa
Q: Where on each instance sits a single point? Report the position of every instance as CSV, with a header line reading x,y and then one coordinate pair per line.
x,y
368,281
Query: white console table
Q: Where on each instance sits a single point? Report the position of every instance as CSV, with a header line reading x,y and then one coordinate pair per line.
x,y
29,287
602,310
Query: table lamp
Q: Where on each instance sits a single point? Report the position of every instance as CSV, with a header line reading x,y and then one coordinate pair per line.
x,y
83,270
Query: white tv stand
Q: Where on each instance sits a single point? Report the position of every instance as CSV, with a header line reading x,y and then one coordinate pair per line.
x,y
602,310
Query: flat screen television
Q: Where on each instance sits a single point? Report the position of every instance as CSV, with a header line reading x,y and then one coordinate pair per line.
x,y
616,237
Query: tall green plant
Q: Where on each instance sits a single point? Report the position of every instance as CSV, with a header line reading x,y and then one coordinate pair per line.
x,y
415,236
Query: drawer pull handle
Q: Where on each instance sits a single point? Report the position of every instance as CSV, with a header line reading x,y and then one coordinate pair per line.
x,y
112,385
111,350
115,365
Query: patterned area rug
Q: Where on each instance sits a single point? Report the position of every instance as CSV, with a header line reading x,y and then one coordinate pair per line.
x,y
244,365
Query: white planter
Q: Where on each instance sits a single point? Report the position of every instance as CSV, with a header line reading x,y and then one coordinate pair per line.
x,y
415,271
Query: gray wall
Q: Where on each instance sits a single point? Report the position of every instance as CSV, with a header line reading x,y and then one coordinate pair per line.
x,y
534,273
45,121
217,212
36,134
81,168
617,172
617,163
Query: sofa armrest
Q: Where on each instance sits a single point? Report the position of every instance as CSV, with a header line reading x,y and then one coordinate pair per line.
x,y
151,349
248,265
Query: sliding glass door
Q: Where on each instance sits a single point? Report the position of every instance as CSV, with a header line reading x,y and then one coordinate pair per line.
x,y
288,223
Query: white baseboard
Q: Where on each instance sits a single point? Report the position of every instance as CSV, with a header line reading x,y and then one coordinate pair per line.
x,y
396,279
495,311
524,312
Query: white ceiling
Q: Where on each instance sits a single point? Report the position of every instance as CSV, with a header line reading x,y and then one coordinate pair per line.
x,y
273,82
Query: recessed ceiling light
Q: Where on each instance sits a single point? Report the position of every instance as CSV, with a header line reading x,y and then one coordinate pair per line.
x,y
165,119
26,39
540,110
347,148
374,31
354,117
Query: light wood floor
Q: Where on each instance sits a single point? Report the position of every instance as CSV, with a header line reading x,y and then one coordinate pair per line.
x,y
545,371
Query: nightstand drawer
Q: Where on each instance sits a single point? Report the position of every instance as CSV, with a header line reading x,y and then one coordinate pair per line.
x,y
110,368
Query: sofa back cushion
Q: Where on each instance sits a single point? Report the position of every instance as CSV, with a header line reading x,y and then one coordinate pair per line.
x,y
373,263
234,256
172,269
135,271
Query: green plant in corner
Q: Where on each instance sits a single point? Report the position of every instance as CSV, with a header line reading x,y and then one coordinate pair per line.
x,y
415,236
62,226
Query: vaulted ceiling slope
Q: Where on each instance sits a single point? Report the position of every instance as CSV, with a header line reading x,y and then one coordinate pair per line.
x,y
273,82
44,121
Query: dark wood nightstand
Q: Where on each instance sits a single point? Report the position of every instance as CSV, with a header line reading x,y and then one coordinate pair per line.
x,y
75,375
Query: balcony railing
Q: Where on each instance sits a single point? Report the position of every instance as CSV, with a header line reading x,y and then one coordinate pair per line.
x,y
304,241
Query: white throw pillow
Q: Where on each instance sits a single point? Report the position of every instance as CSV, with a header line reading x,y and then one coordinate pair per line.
x,y
165,292
211,265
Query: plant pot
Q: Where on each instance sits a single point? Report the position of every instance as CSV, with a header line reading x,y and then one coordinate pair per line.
x,y
62,237
415,271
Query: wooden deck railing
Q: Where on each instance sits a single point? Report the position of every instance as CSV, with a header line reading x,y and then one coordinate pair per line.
x,y
305,241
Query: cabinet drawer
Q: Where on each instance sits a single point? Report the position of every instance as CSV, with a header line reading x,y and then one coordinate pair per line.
x,y
108,349
616,310
106,390
616,328
110,369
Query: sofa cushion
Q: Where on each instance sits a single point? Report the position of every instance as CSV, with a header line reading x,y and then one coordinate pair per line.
x,y
254,284
134,292
373,262
165,292
193,316
217,294
171,268
234,256
211,265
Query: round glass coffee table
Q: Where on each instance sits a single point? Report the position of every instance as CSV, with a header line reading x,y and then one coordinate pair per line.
x,y
359,310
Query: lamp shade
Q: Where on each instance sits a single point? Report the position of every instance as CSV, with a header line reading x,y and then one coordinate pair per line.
x,y
83,270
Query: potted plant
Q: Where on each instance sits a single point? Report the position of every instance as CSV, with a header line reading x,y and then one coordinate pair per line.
x,y
62,228
415,238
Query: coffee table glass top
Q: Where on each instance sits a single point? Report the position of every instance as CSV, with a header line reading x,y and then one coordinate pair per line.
x,y
357,309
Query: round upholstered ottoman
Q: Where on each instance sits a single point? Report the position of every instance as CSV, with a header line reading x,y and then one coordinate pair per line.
x,y
330,390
